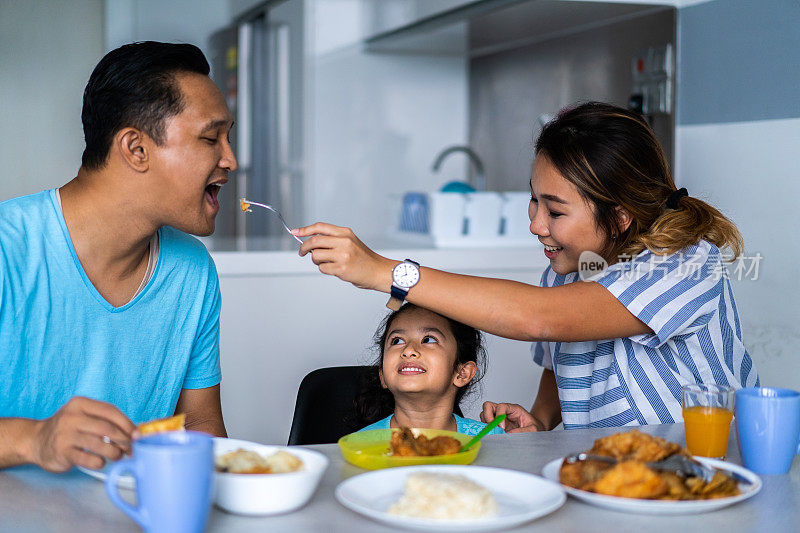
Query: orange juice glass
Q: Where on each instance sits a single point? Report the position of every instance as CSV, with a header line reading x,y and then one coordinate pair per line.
x,y
707,415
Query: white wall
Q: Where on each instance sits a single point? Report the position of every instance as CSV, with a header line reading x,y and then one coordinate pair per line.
x,y
375,122
188,21
48,49
748,170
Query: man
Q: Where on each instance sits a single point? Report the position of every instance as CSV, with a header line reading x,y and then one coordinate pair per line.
x,y
109,311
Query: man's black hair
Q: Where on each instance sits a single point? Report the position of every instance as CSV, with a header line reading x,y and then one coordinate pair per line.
x,y
134,86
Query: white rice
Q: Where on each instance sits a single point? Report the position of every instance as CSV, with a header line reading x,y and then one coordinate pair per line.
x,y
444,496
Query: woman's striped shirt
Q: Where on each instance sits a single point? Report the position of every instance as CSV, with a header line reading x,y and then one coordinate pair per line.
x,y
687,300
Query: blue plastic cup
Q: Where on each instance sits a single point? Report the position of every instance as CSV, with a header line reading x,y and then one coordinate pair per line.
x,y
174,475
768,428
414,216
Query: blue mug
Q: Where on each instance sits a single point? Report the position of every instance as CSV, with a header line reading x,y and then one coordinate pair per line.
x,y
174,475
768,428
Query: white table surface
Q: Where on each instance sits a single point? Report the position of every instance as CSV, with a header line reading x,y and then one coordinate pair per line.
x,y
32,500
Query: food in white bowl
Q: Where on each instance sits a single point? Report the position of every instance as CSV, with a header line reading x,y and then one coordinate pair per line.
x,y
244,461
268,493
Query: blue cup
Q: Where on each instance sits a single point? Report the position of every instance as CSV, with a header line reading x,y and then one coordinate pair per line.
x,y
768,428
174,475
414,216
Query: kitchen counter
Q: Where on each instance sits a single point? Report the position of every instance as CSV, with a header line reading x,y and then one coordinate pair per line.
x,y
278,256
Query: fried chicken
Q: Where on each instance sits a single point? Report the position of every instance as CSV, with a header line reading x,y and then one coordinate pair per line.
x,y
405,444
632,478
635,446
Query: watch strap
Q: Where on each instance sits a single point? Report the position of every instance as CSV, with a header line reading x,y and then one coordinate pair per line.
x,y
397,297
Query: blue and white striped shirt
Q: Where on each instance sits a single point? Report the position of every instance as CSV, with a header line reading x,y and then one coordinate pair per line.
x,y
687,300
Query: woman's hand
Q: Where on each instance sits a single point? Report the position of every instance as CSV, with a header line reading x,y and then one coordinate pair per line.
x,y
338,252
518,419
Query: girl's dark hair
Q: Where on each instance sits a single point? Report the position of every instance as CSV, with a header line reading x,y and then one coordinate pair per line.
x,y
373,402
615,160
134,86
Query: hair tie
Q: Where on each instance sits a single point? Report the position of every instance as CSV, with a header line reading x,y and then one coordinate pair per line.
x,y
675,196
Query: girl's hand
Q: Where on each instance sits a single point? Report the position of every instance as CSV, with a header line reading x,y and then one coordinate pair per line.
x,y
338,252
518,419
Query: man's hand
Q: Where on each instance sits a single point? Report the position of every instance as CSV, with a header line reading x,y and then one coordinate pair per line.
x,y
81,433
518,419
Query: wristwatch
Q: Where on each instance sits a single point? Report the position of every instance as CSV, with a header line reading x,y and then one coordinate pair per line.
x,y
404,276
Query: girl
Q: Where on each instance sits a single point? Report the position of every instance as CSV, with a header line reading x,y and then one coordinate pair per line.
x,y
616,347
427,364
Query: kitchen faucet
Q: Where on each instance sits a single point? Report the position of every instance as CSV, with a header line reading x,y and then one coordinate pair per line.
x,y
480,176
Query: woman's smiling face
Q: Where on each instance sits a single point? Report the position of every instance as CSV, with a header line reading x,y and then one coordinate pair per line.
x,y
562,219
419,354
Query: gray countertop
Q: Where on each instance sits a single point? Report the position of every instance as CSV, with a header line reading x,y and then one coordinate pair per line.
x,y
32,500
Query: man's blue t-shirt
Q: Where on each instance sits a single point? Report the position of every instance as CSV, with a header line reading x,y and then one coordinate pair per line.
x,y
467,426
60,338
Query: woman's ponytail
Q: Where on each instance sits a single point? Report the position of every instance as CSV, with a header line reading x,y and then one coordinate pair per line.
x,y
692,221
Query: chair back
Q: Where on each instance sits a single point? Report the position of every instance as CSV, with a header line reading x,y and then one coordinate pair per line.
x,y
325,404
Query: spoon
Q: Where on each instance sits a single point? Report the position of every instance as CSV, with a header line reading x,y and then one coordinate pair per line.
x,y
680,464
485,431
245,204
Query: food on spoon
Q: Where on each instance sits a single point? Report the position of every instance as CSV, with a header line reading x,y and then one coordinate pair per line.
x,y
403,443
444,496
244,461
632,478
244,206
172,423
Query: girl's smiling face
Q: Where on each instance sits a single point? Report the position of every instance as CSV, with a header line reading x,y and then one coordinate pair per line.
x,y
562,219
419,356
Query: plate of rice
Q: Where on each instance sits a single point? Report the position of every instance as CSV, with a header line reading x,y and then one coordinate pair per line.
x,y
450,497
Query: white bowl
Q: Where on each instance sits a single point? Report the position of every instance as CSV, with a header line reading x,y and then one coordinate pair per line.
x,y
265,494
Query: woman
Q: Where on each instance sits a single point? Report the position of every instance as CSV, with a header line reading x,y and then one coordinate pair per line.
x,y
617,348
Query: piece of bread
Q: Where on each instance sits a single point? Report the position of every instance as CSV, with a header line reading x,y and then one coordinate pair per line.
x,y
172,423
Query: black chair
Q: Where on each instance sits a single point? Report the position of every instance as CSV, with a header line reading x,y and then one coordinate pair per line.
x,y
324,404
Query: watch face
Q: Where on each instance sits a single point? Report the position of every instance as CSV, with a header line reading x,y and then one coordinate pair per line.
x,y
405,275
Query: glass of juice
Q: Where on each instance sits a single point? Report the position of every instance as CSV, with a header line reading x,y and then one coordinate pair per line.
x,y
707,415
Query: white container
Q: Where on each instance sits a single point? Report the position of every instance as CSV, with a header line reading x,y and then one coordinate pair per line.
x,y
514,222
482,215
265,494
447,215
480,219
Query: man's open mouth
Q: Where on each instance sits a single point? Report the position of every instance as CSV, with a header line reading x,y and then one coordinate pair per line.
x,y
211,194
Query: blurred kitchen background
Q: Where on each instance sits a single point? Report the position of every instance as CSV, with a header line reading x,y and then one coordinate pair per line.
x,y
386,115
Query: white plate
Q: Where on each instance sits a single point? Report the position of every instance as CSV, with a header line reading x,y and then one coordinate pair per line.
x,y
662,507
126,482
520,496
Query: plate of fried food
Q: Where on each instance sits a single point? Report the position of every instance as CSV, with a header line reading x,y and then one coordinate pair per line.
x,y
387,448
450,497
634,472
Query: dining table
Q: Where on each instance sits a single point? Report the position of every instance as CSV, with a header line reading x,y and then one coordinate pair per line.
x,y
33,500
